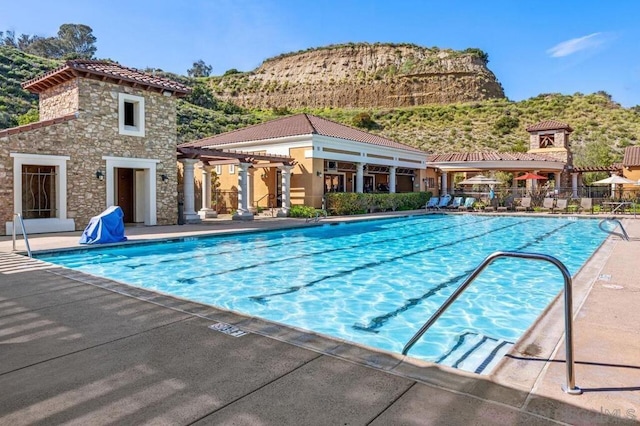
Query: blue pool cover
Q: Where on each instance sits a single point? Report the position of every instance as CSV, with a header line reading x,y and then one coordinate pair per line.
x,y
107,227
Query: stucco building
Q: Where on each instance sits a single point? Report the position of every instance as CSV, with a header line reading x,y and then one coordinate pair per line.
x,y
316,156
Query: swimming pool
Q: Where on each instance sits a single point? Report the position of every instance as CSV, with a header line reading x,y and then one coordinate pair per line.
x,y
374,282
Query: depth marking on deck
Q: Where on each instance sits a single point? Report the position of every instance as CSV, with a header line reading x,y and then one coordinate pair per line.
x,y
229,329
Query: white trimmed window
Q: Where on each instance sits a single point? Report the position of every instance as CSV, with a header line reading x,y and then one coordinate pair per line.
x,y
218,169
130,114
40,192
232,169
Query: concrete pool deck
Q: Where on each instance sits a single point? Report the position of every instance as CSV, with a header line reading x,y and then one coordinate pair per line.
x,y
84,350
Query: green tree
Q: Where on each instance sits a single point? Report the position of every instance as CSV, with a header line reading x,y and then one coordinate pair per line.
x,y
201,96
231,72
594,153
505,124
49,47
30,116
199,69
8,39
364,120
77,40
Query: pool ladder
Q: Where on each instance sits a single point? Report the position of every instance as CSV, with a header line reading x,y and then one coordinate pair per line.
x,y
624,234
24,233
570,386
316,218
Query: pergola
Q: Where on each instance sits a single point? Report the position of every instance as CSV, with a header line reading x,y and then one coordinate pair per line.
x,y
209,157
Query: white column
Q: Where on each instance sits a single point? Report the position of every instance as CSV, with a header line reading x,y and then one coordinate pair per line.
x,y
206,211
534,182
359,177
243,212
286,190
574,185
557,181
443,182
250,188
392,179
190,215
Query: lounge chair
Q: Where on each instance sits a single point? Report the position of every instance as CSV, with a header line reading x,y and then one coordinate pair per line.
x,y
444,201
508,205
457,202
524,205
561,205
488,205
548,204
432,203
468,204
586,204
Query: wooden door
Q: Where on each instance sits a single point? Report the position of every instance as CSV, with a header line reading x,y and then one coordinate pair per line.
x,y
125,193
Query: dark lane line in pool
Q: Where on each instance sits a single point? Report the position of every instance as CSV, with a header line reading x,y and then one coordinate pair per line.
x,y
263,298
192,280
379,321
266,246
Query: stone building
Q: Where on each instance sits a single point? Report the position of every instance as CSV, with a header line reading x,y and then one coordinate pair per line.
x,y
551,138
106,136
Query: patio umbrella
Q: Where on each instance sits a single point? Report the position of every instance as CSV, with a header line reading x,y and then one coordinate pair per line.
x,y
532,176
480,180
613,180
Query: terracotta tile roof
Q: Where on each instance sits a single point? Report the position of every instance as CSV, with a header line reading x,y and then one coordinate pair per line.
x,y
585,169
39,124
631,156
103,70
487,156
297,125
549,125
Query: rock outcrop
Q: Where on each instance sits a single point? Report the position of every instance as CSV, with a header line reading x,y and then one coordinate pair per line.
x,y
363,75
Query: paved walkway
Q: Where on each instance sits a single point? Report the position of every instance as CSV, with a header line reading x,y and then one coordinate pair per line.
x,y
82,350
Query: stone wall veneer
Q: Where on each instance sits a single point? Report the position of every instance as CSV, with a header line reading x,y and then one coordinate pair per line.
x,y
92,135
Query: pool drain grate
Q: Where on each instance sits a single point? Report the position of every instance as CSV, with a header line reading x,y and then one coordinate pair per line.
x,y
229,329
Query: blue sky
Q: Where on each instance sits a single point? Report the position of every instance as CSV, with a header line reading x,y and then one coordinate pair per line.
x,y
534,47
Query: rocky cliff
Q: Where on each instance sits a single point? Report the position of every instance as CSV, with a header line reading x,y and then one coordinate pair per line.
x,y
363,75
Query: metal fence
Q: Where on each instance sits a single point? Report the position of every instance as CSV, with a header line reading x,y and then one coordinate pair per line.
x,y
603,198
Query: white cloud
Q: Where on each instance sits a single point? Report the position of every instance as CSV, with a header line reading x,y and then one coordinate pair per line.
x,y
574,45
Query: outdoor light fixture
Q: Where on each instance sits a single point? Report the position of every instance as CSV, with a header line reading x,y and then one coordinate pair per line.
x,y
318,173
164,177
99,175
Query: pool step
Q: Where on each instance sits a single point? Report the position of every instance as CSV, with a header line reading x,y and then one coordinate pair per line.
x,y
476,353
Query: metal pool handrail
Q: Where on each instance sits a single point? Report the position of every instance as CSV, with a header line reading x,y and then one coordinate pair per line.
x,y
570,386
624,234
317,217
24,233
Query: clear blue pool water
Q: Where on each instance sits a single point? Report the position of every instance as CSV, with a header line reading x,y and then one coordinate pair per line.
x,y
374,283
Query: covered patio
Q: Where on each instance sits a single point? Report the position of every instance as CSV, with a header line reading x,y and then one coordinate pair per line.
x,y
487,163
326,157
207,158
